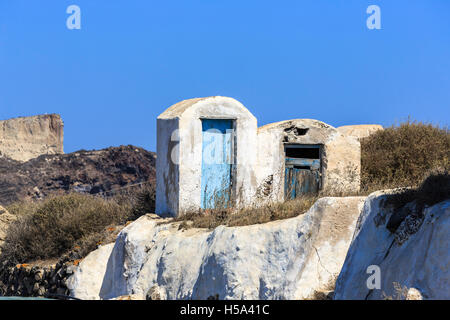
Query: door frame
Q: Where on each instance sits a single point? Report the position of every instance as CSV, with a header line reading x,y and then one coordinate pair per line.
x,y
303,146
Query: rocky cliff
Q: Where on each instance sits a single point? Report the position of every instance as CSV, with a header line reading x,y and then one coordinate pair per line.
x,y
285,259
93,172
26,138
414,257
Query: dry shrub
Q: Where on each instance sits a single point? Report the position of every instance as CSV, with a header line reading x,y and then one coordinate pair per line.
x,y
143,201
326,292
400,156
211,218
50,228
400,292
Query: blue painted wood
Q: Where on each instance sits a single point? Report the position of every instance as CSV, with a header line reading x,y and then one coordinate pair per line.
x,y
314,164
216,163
302,176
300,181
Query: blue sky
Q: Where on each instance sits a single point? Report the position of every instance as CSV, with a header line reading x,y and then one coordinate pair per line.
x,y
282,59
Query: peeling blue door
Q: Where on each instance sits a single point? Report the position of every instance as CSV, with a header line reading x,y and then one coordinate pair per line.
x,y
217,155
302,175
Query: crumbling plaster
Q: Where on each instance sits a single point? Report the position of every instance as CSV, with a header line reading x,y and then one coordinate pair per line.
x,y
340,157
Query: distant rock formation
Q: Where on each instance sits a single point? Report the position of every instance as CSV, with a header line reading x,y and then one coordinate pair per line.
x,y
26,138
285,259
413,260
92,172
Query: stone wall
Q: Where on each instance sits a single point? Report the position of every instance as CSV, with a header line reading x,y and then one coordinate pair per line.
x,y
26,138
35,281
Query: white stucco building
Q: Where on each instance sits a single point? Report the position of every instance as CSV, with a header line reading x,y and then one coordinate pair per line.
x,y
210,153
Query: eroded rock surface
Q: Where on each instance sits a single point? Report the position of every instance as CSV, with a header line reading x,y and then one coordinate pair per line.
x,y
26,138
285,259
415,255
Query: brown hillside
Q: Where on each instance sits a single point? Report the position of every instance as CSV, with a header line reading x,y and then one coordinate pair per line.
x,y
92,172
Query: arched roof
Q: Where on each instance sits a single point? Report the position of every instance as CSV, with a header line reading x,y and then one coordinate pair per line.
x,y
178,109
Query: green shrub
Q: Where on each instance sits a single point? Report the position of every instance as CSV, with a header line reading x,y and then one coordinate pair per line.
x,y
401,156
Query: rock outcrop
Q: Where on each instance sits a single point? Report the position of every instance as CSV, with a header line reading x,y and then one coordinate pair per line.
x,y
93,172
414,256
26,138
285,259
5,220
360,131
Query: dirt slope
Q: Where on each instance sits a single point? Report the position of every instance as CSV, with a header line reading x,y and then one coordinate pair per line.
x,y
100,171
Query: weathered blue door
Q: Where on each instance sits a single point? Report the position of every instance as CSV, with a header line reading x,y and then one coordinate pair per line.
x,y
302,171
217,156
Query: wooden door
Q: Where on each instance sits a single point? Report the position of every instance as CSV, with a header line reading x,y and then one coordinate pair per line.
x,y
217,155
302,176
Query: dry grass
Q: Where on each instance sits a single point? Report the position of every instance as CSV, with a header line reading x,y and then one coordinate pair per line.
x,y
211,218
403,155
48,229
326,292
55,226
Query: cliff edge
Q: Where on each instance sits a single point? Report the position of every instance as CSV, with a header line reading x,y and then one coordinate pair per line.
x,y
27,138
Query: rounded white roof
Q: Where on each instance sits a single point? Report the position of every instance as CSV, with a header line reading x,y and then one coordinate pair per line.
x,y
178,109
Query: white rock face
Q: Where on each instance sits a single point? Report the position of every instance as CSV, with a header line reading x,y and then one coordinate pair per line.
x,y
87,281
418,260
285,259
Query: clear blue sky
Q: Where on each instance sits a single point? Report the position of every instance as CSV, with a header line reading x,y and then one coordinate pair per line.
x,y
282,59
